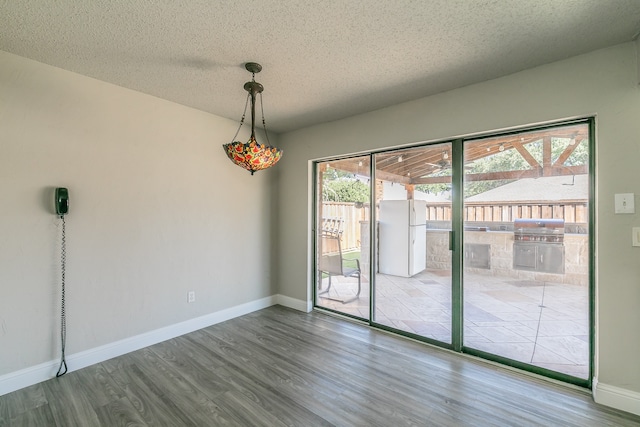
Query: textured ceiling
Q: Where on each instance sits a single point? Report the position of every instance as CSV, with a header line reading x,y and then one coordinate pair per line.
x,y
323,60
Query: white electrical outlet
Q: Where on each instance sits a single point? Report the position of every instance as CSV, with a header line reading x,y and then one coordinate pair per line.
x,y
191,296
624,203
635,239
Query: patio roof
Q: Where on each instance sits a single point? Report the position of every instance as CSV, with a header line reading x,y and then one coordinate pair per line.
x,y
417,165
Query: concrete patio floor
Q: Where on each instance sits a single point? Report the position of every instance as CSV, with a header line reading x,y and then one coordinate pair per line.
x,y
542,323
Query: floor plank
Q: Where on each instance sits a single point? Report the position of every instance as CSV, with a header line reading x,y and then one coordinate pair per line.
x,y
278,367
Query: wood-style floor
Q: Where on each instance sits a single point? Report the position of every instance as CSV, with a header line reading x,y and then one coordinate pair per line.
x,y
278,367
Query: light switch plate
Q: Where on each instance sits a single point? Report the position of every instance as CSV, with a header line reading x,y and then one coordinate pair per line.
x,y
624,203
636,236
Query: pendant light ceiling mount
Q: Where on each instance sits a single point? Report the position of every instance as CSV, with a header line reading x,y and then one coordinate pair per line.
x,y
253,86
251,155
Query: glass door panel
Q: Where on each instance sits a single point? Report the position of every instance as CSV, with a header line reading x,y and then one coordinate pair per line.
x,y
526,248
412,287
342,236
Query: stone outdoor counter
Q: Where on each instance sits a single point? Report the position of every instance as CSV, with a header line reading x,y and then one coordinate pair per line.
x,y
501,256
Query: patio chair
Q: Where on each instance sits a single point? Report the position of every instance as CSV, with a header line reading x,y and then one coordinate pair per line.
x,y
332,263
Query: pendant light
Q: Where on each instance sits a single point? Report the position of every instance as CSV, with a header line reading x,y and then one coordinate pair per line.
x,y
252,155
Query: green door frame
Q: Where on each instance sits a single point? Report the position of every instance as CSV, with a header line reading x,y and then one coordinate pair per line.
x,y
457,176
456,244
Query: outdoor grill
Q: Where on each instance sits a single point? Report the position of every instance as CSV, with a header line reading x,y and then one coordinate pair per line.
x,y
538,245
539,230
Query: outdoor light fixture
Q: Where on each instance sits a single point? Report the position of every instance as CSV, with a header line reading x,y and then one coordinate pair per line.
x,y
252,155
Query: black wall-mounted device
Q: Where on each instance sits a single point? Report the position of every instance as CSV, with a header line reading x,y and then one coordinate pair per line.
x,y
62,201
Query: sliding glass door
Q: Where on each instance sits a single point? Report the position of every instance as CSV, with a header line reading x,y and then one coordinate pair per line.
x,y
342,236
526,248
480,245
412,291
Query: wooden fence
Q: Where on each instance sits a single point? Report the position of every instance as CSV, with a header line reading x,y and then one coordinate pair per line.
x,y
351,215
569,211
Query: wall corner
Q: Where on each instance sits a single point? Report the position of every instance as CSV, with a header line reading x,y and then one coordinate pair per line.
x,y
616,397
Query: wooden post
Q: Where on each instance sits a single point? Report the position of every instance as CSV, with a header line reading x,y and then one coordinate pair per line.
x,y
546,156
320,170
410,190
379,191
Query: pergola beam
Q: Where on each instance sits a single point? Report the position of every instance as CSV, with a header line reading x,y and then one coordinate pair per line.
x,y
526,155
493,176
567,152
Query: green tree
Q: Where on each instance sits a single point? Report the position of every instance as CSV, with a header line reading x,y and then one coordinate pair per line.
x,y
345,190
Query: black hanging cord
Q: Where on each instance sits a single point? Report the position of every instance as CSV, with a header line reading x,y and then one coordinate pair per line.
x,y
264,124
242,120
63,317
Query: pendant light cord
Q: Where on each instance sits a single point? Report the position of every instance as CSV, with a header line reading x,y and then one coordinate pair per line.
x,y
264,123
241,120
63,317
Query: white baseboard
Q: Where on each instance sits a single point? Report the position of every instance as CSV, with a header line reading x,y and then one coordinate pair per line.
x,y
44,371
616,397
296,304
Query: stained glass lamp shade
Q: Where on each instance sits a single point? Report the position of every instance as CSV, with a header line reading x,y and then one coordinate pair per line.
x,y
252,155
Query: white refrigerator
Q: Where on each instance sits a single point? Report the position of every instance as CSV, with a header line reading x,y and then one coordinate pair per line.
x,y
402,238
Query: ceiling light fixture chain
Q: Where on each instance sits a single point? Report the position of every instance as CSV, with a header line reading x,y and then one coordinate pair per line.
x,y
251,155
264,123
242,119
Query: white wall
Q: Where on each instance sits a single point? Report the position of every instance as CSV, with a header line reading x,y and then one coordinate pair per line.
x,y
602,83
156,210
